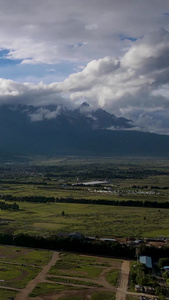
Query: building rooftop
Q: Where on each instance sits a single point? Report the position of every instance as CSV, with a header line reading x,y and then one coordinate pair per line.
x,y
146,260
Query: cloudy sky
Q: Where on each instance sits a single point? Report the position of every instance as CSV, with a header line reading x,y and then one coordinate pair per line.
x,y
113,54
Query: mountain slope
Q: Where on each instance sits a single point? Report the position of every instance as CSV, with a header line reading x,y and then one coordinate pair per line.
x,y
73,133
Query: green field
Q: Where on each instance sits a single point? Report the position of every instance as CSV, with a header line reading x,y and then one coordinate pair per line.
x,y
142,179
78,266
23,256
102,295
17,276
7,294
19,265
90,220
132,297
48,288
74,281
58,177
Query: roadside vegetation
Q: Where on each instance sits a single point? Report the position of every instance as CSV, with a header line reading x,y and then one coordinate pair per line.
x,y
162,263
141,276
102,295
112,277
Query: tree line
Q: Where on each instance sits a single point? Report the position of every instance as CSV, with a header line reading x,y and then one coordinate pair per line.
x,y
83,245
43,199
72,244
155,252
5,206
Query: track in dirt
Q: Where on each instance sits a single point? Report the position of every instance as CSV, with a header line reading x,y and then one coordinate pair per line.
x,y
123,284
24,294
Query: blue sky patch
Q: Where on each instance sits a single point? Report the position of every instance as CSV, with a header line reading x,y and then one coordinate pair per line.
x,y
13,70
125,37
6,61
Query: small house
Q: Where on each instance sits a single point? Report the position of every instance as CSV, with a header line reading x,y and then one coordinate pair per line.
x,y
146,260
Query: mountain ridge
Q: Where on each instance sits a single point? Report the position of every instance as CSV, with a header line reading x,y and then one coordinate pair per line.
x,y
56,130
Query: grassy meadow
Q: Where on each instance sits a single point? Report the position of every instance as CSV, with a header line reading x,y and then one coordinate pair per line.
x,y
7,294
19,255
79,266
128,179
90,220
17,267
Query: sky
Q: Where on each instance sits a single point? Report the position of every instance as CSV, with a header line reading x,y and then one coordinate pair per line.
x,y
113,54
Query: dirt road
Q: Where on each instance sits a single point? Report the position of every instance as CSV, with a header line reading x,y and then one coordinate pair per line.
x,y
24,294
123,281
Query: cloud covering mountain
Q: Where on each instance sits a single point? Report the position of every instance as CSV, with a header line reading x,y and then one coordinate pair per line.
x,y
55,131
112,54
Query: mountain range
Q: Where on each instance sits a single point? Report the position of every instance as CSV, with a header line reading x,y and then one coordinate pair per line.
x,y
57,130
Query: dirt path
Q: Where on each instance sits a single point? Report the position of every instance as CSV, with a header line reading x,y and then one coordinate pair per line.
x,y
123,281
100,281
24,294
106,286
19,264
96,281
9,288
